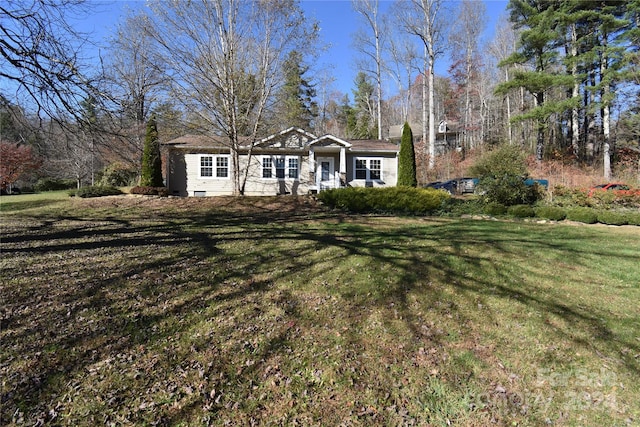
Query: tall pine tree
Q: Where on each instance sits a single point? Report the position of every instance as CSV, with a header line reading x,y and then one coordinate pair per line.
x,y
539,42
151,160
297,97
574,53
365,126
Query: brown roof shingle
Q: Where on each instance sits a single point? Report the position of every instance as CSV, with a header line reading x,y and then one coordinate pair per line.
x,y
372,145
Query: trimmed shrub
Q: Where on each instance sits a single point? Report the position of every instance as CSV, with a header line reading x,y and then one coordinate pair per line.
x,y
630,200
151,159
586,215
97,191
570,197
563,196
150,191
407,200
118,175
407,159
553,213
633,218
495,209
603,199
458,207
612,218
52,184
521,211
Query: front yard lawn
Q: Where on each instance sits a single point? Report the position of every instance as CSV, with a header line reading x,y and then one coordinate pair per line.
x,y
274,311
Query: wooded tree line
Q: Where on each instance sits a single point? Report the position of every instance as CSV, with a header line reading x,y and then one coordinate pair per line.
x,y
559,78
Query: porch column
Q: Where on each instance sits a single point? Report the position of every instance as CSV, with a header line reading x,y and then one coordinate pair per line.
x,y
343,166
312,166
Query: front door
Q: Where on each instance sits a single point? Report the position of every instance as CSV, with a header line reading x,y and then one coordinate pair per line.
x,y
326,173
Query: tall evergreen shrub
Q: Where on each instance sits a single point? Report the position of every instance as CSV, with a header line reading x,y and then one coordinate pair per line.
x,y
407,159
151,161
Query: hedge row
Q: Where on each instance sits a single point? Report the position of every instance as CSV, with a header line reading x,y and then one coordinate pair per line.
x,y
579,214
420,201
95,191
404,200
52,184
150,191
575,197
108,190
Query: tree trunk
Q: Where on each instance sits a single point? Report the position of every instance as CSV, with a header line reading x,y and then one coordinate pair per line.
x,y
508,101
540,125
606,116
432,119
425,109
575,93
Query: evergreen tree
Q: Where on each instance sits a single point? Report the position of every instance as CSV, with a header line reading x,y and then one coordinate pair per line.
x,y
407,159
539,42
151,160
365,119
573,55
346,118
297,96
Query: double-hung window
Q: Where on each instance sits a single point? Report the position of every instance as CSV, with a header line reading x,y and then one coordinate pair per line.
x,y
222,167
375,169
206,166
214,166
280,167
368,169
293,167
267,167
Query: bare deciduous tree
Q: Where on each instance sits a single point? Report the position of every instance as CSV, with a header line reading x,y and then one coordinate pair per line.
x,y
501,47
421,18
402,58
224,61
464,39
135,83
41,54
371,46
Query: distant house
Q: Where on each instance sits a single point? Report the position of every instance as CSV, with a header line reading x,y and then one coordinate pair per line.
x,y
447,135
293,161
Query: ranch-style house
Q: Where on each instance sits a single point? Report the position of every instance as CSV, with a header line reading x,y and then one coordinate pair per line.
x,y
293,161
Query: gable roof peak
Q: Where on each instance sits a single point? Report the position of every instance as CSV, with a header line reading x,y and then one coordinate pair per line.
x,y
292,129
333,138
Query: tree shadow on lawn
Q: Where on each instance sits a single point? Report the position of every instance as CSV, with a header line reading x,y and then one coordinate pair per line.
x,y
132,283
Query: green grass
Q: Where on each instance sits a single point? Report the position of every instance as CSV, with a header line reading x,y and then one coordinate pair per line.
x,y
23,202
272,311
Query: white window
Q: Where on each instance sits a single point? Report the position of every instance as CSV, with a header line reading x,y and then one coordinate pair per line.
x,y
214,166
222,167
267,167
280,167
293,167
206,166
368,169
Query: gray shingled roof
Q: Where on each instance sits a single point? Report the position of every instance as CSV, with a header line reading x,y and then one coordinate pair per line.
x,y
372,145
197,141
207,141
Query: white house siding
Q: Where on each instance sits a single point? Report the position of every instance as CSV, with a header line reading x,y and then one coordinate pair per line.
x,y
389,170
192,184
205,186
258,186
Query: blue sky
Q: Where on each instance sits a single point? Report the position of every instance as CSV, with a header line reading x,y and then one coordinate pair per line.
x,y
337,22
